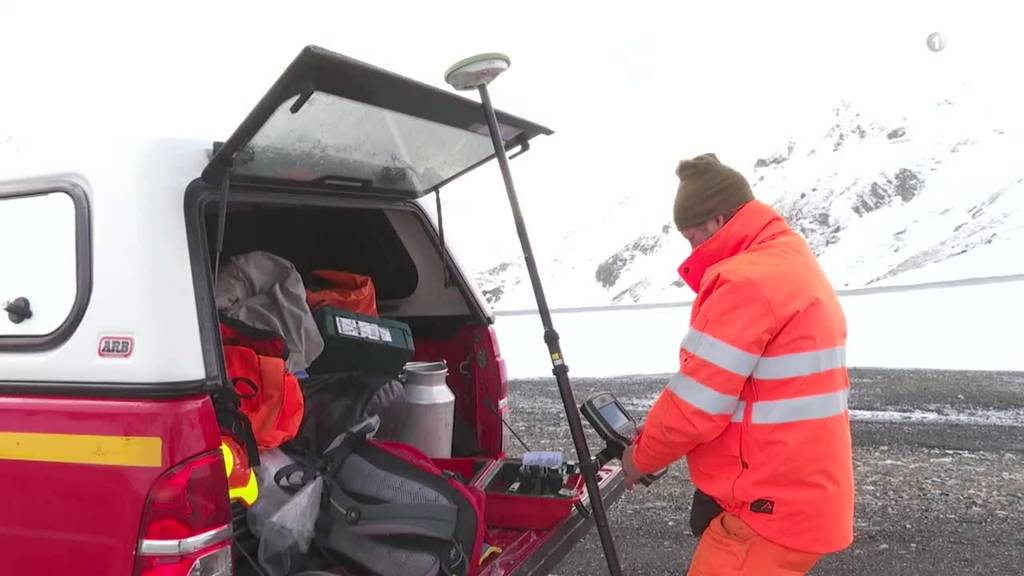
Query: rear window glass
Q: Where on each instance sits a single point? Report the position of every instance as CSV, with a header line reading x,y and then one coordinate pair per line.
x,y
362,241
41,286
333,136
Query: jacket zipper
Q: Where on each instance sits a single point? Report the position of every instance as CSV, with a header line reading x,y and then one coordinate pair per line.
x,y
748,411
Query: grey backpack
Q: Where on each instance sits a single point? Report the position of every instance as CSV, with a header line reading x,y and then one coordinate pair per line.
x,y
387,510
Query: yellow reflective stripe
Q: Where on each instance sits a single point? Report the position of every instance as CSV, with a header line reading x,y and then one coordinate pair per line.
x,y
142,451
720,353
491,550
248,493
800,364
703,397
229,458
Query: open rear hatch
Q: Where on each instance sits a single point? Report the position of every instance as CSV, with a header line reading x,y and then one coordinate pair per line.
x,y
331,123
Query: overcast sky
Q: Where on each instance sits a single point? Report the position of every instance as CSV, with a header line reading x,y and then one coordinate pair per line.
x,y
630,88
576,64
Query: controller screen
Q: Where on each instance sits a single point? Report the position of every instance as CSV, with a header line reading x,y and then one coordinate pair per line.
x,y
617,420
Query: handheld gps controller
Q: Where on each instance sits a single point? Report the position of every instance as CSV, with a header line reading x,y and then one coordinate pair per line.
x,y
615,425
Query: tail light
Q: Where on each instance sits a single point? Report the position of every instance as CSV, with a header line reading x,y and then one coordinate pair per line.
x,y
502,373
186,525
497,436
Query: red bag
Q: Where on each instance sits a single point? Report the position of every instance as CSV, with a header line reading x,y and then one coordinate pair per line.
x,y
270,395
345,291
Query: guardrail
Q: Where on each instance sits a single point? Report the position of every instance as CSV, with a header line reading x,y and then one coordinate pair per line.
x,y
841,292
967,324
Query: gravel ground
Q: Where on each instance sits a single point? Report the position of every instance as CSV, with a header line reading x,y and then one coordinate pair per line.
x,y
942,494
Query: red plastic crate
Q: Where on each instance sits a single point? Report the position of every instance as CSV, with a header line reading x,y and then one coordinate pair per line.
x,y
526,512
467,468
514,511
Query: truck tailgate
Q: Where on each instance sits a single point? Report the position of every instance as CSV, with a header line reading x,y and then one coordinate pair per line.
x,y
536,552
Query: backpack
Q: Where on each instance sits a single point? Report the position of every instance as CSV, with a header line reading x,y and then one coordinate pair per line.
x,y
339,401
269,395
388,510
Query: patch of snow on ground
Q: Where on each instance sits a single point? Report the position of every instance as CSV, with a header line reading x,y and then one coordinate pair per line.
x,y
989,417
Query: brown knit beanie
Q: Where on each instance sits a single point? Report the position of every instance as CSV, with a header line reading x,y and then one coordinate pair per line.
x,y
707,189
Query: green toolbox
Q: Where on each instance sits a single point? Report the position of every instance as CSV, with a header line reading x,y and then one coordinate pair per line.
x,y
354,342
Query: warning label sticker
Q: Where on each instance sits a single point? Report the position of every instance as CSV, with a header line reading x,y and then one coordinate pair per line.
x,y
347,327
369,331
364,330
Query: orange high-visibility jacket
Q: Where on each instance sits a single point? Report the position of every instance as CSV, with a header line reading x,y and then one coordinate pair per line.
x,y
759,405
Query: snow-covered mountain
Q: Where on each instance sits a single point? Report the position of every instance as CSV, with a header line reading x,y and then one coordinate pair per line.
x,y
932,193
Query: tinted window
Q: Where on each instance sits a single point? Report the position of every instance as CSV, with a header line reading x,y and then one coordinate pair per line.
x,y
45,278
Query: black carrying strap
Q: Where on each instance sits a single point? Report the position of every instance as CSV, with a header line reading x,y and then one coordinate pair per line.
x,y
291,478
231,419
253,388
288,483
309,467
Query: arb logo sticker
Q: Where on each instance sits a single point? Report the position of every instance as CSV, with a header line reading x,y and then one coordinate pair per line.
x,y
116,346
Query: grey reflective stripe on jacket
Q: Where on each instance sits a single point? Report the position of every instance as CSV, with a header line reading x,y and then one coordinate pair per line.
x,y
760,368
743,363
720,353
797,409
704,397
800,364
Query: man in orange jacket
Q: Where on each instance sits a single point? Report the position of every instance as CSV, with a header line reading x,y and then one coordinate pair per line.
x,y
759,405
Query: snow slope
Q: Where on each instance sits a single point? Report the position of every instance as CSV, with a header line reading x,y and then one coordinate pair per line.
x,y
933,190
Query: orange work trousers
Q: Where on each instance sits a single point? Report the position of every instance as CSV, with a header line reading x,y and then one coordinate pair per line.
x,y
728,547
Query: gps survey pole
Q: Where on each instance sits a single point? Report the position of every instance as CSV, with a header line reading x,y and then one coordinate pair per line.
x,y
476,73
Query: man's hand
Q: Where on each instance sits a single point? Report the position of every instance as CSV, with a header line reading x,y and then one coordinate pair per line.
x,y
633,476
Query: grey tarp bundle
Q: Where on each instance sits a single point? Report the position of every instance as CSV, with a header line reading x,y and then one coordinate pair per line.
x,y
272,497
283,521
265,291
288,533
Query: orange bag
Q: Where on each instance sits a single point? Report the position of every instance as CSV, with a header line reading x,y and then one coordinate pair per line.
x,y
345,291
270,396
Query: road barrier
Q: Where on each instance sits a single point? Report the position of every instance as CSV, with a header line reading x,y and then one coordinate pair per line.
x,y
971,324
